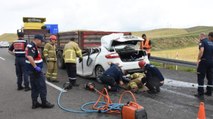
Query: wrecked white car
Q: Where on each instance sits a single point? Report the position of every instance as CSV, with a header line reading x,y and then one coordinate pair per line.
x,y
116,48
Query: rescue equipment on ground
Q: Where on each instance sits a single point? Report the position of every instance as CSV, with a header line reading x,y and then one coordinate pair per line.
x,y
133,110
130,110
89,86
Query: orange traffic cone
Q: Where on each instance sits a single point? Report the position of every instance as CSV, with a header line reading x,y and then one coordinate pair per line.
x,y
201,113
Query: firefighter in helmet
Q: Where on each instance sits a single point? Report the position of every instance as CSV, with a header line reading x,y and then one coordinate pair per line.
x,y
136,82
70,54
51,58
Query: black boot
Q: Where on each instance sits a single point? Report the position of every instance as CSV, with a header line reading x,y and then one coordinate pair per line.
x,y
69,87
55,81
48,79
20,88
36,104
27,89
199,96
208,94
73,82
46,104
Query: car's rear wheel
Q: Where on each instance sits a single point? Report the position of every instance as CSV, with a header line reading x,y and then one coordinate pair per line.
x,y
99,70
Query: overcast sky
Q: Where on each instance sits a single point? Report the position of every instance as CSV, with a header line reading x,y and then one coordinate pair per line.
x,y
114,15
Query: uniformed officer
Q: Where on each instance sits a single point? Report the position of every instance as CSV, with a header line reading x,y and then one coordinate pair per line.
x,y
153,78
205,66
113,77
70,54
202,36
37,79
50,56
18,49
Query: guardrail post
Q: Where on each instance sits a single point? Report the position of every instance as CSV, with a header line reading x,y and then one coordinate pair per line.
x,y
165,61
176,57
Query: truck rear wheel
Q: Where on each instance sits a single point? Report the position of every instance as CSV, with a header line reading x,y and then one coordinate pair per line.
x,y
60,60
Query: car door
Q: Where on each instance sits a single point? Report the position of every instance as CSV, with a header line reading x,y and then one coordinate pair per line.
x,y
80,65
85,68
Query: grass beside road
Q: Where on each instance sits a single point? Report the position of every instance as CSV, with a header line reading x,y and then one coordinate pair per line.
x,y
186,54
170,38
10,37
160,33
174,67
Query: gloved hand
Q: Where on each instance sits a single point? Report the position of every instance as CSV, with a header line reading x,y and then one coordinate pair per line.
x,y
38,69
80,60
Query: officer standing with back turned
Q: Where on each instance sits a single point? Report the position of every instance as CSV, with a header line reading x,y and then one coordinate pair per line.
x,y
205,66
37,79
18,49
70,54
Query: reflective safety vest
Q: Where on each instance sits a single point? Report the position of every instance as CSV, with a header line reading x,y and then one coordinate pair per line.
x,y
49,52
146,45
32,50
18,47
71,52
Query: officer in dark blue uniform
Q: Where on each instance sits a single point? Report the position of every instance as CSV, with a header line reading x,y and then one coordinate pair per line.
x,y
18,49
205,66
112,77
153,78
37,79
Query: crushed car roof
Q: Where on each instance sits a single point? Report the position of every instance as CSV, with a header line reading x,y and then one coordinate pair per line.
x,y
114,39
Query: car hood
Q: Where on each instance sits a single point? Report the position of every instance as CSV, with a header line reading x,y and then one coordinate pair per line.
x,y
119,39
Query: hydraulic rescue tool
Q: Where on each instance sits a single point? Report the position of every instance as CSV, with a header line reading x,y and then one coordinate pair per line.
x,y
130,110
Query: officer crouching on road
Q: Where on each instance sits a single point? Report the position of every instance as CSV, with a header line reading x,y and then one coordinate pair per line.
x,y
18,49
113,77
153,78
37,79
50,56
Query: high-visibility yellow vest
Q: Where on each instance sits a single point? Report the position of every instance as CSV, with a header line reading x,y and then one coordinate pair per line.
x,y
49,52
71,52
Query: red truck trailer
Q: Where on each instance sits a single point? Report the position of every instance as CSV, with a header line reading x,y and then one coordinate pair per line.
x,y
85,39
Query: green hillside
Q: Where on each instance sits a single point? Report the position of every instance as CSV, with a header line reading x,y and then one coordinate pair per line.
x,y
8,37
162,39
172,38
160,33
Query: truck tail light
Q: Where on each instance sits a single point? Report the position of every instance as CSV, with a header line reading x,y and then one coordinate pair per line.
x,y
112,55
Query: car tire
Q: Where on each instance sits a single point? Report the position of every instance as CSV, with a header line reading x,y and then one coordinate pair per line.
x,y
99,70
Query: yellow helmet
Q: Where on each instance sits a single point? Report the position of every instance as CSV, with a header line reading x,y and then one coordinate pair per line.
x,y
133,85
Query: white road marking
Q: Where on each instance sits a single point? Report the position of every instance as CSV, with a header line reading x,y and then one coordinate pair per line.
x,y
175,83
2,58
56,87
178,93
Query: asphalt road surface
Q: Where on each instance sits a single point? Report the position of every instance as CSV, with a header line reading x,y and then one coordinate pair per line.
x,y
175,101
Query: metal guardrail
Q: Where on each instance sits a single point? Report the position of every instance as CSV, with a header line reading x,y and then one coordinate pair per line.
x,y
173,61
